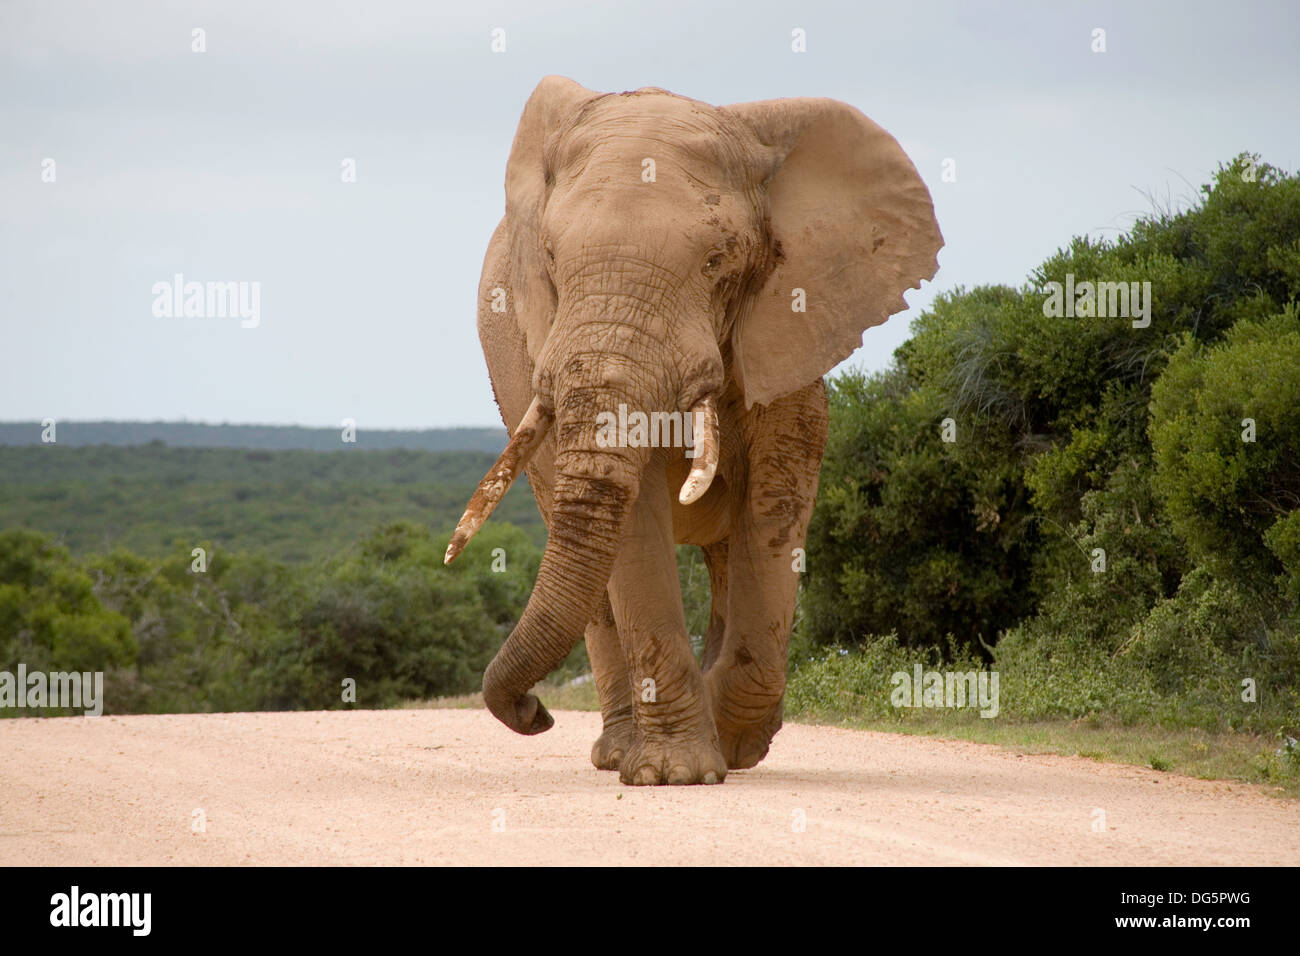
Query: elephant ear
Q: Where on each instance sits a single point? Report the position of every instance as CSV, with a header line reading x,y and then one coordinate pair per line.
x,y
853,226
551,105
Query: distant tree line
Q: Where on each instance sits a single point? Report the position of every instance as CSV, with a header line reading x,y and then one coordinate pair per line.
x,y
270,437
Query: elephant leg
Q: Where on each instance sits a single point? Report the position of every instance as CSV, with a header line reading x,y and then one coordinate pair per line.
x,y
609,668
674,739
746,679
715,559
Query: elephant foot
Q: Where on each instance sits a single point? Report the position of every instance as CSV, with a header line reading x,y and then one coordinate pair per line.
x,y
677,761
612,745
744,746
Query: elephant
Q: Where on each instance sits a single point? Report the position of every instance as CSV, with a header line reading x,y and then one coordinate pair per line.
x,y
673,258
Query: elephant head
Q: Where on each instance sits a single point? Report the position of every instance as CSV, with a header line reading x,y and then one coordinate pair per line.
x,y
659,248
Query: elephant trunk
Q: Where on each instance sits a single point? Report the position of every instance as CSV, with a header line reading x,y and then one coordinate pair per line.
x,y
579,389
594,492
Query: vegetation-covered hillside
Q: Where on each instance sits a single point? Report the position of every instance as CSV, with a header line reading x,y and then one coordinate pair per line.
x,y
1116,519
293,505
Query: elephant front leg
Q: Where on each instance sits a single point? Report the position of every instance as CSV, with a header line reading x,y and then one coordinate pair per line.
x,y
764,558
674,739
746,680
609,669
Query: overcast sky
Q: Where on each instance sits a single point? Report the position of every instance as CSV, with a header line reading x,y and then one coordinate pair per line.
x,y
226,165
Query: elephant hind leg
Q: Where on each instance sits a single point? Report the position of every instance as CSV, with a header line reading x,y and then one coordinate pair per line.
x,y
715,559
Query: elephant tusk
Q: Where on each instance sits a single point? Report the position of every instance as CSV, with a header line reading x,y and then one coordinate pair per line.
x,y
704,422
523,443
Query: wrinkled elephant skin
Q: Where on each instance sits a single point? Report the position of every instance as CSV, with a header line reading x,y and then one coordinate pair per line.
x,y
669,284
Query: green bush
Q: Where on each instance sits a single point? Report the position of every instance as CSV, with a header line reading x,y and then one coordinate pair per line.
x,y
1232,501
393,619
838,680
244,632
1099,518
909,532
50,616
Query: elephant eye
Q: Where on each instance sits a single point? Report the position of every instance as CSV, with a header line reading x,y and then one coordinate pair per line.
x,y
713,263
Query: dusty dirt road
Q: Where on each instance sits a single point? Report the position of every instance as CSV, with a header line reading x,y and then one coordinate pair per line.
x,y
452,786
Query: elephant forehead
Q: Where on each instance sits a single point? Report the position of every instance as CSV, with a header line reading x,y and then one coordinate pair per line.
x,y
632,184
674,134
663,221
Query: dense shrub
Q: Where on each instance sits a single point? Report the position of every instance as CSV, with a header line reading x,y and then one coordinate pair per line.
x,y
908,534
1099,518
392,618
243,632
1225,429
50,616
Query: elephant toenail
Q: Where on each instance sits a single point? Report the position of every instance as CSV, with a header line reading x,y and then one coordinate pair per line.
x,y
710,777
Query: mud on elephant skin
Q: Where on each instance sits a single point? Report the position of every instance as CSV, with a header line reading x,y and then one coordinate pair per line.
x,y
668,261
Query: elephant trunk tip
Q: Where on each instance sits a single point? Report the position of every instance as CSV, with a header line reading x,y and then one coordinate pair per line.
x,y
524,715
